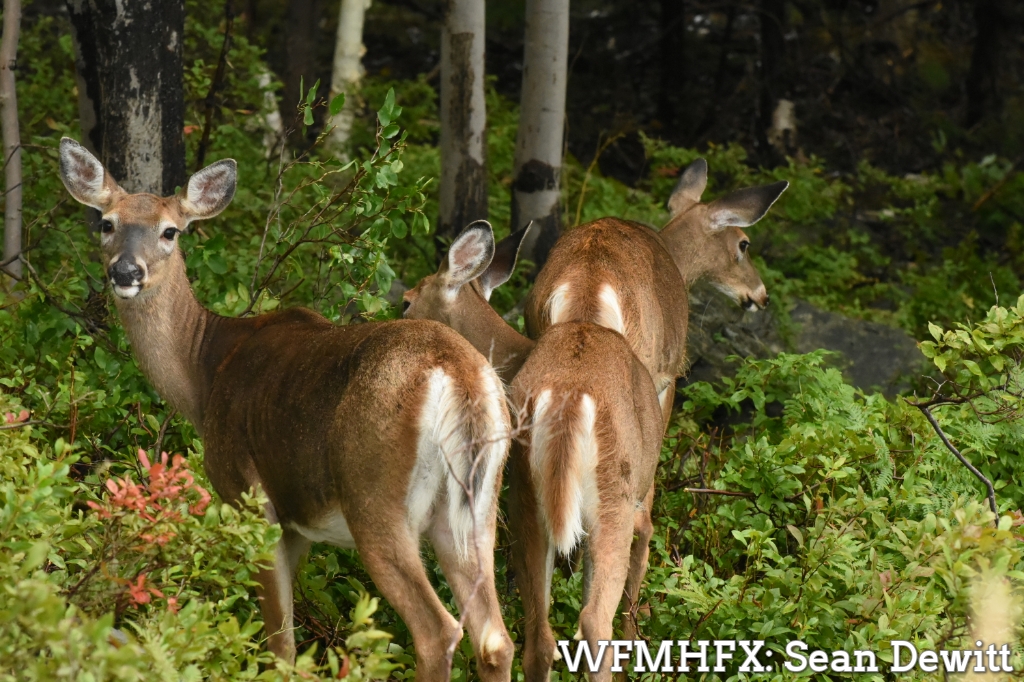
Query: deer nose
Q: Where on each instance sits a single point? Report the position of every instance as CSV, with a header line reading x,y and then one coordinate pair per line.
x,y
125,273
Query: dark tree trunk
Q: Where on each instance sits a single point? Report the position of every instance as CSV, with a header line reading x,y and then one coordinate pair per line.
x,y
300,55
463,187
983,77
672,55
773,55
130,94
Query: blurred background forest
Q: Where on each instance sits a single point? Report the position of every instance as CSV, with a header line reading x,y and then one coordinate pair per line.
x,y
847,523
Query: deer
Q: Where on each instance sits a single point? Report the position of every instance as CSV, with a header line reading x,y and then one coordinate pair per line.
x,y
582,469
631,278
367,436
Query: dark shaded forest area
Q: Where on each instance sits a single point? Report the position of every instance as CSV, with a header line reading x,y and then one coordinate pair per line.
x,y
843,467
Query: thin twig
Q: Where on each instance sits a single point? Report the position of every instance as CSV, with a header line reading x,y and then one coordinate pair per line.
x,y
974,470
215,84
712,491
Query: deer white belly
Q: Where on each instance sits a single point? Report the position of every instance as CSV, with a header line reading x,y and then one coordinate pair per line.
x,y
332,529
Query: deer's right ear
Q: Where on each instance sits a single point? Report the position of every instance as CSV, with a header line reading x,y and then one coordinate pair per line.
x,y
470,254
689,188
84,176
506,254
209,191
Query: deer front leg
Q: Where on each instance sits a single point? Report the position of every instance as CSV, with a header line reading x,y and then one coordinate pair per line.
x,y
638,553
533,558
275,592
472,581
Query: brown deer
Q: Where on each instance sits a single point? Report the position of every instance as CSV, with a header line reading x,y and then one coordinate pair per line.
x,y
367,436
630,278
582,469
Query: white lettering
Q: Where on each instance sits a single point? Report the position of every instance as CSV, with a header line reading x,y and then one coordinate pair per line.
x,y
819,661
841,662
644,654
685,655
928,661
620,652
791,652
720,655
955,661
751,665
872,666
897,645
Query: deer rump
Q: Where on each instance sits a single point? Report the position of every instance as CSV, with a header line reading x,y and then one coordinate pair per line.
x,y
592,413
402,427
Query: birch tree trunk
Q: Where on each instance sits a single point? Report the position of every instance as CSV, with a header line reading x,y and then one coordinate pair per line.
x,y
463,189
130,91
12,139
538,160
348,70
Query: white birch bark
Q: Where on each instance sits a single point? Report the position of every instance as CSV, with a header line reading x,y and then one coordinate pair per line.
x,y
348,70
273,127
11,138
463,189
538,159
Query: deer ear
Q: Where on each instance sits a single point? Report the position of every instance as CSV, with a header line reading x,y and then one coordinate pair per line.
x,y
689,188
470,254
209,191
744,207
84,176
506,255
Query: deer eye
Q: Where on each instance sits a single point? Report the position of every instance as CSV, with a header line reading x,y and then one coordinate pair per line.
x,y
106,227
169,233
405,306
744,245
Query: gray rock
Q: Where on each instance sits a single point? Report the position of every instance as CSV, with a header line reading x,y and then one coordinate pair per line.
x,y
872,356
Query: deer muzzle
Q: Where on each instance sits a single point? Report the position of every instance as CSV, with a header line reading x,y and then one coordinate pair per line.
x,y
127,277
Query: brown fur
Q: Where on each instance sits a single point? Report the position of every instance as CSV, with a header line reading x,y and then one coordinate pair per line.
x,y
569,361
322,418
651,272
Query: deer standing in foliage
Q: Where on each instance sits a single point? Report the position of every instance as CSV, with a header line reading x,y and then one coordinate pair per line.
x,y
635,280
582,468
366,436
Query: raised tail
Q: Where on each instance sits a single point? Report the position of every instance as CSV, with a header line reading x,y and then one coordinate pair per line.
x,y
563,465
463,443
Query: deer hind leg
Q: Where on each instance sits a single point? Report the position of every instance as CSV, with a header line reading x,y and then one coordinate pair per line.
x,y
610,543
666,398
471,577
391,554
638,552
275,592
533,557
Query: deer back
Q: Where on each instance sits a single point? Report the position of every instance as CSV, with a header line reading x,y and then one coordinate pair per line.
x,y
616,274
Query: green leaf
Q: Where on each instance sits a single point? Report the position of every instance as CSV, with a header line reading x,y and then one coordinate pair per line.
x,y
337,104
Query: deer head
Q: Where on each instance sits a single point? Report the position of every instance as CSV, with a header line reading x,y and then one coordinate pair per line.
x,y
139,232
707,240
458,294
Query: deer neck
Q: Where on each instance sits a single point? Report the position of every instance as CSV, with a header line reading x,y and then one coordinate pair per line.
x,y
169,332
503,346
688,247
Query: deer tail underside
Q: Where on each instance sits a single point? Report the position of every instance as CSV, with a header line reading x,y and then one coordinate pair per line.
x,y
464,440
563,465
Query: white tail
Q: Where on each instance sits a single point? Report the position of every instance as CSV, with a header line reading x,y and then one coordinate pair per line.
x,y
563,465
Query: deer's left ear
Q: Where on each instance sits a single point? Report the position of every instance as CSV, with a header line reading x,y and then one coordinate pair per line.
x,y
506,255
744,207
469,255
85,177
209,191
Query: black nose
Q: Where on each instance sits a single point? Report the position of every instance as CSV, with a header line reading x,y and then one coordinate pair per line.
x,y
125,273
